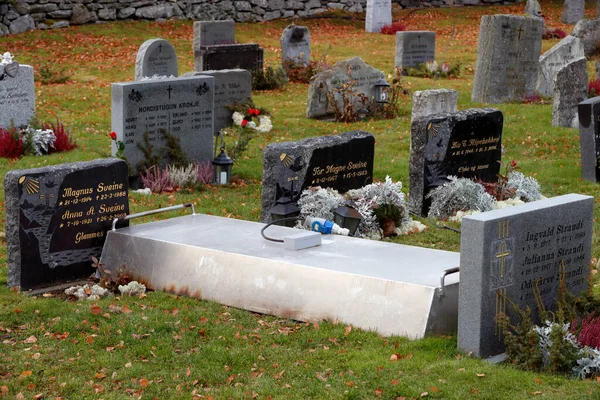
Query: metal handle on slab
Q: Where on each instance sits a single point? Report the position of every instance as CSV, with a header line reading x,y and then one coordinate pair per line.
x,y
157,211
447,272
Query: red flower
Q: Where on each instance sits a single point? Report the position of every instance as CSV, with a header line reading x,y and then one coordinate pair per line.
x,y
244,122
253,112
513,163
113,135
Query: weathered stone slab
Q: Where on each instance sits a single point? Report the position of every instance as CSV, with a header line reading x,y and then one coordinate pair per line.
x,y
342,162
507,62
355,71
233,56
430,102
379,14
573,11
57,218
533,9
156,57
414,48
567,50
514,255
467,144
182,107
233,86
570,89
589,138
211,33
17,94
588,30
295,46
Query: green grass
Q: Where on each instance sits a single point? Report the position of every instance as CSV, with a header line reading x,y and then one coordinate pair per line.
x,y
175,347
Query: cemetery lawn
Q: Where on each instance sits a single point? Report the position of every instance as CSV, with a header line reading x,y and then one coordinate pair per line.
x,y
164,346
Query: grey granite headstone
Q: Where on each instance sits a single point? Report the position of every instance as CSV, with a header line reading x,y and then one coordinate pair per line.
x,y
211,33
182,107
567,50
295,46
467,144
17,95
573,11
354,70
231,56
341,162
533,9
414,48
156,57
588,30
429,102
57,218
232,86
518,254
589,138
379,14
570,89
507,61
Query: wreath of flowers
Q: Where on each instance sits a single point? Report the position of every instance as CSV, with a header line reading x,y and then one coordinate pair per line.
x,y
245,121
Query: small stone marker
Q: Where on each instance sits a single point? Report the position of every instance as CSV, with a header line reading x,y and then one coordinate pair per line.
x,y
353,70
507,61
573,11
156,57
570,89
212,33
414,48
567,50
379,14
589,138
232,56
57,218
515,255
181,106
295,46
467,144
429,102
233,86
341,162
17,94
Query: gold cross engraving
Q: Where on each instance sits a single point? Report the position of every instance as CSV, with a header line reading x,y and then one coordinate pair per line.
x,y
501,256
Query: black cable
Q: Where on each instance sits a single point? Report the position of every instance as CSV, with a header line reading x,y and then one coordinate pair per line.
x,y
438,225
262,231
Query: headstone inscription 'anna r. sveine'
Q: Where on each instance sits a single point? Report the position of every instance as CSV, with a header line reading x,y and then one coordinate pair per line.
x,y
182,107
589,138
156,57
17,94
341,162
519,256
57,218
508,53
467,144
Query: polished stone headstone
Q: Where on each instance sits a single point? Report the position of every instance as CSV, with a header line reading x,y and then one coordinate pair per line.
x,y
295,46
567,50
466,144
436,101
182,107
518,256
414,48
17,94
57,218
233,56
213,33
355,71
589,138
570,89
508,53
156,57
341,162
379,14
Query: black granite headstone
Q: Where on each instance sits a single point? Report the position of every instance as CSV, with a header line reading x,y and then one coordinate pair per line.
x,y
231,56
589,138
466,144
57,218
342,162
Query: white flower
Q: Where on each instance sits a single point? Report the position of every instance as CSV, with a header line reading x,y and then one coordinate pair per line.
x,y
265,124
237,118
432,66
7,58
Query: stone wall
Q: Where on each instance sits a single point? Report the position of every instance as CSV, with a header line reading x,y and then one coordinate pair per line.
x,y
18,16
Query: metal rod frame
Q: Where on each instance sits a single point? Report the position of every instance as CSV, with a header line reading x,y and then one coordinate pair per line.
x,y
151,212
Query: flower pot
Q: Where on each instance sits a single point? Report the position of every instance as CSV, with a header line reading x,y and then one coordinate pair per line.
x,y
389,227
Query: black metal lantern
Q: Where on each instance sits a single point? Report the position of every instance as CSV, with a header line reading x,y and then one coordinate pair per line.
x,y
347,217
382,91
284,208
222,164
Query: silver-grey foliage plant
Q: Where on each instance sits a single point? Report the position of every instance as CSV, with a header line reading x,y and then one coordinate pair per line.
x,y
184,176
526,188
319,203
456,195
